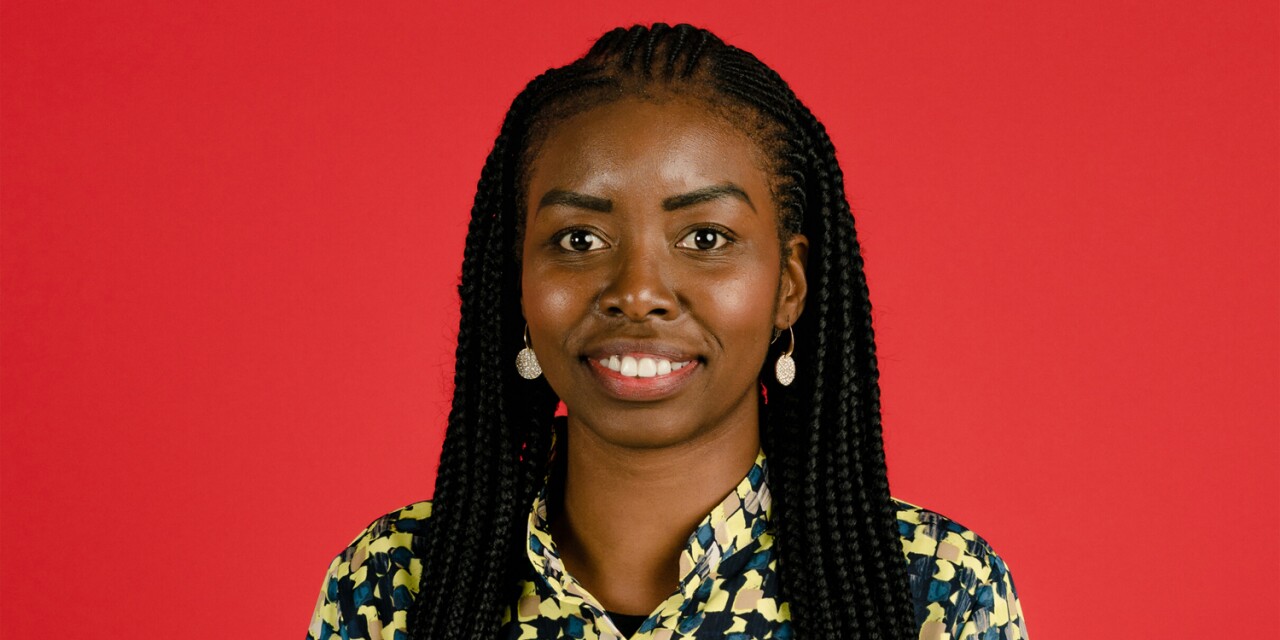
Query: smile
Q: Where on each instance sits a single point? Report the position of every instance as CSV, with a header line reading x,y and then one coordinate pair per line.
x,y
640,376
643,367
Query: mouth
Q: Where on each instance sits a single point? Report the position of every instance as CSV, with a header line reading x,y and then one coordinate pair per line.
x,y
638,373
642,367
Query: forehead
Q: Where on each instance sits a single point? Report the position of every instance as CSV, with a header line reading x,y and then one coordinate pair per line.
x,y
680,142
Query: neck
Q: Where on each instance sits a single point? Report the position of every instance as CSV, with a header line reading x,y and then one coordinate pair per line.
x,y
628,513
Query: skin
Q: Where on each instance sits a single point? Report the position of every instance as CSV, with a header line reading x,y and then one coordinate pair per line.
x,y
689,277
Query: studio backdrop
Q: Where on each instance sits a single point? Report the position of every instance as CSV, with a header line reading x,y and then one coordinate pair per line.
x,y
232,235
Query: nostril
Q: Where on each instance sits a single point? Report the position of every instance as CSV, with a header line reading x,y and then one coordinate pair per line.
x,y
618,311
637,305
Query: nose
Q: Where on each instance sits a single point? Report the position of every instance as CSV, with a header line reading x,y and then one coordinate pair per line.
x,y
638,289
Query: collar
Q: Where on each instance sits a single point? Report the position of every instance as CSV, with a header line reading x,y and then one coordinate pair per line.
x,y
739,519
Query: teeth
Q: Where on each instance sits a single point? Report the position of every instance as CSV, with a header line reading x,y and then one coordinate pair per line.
x,y
641,367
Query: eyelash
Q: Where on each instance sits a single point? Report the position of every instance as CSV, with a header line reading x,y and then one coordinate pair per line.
x,y
724,238
559,239
723,234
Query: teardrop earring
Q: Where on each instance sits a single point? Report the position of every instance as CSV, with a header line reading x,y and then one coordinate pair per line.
x,y
785,369
527,361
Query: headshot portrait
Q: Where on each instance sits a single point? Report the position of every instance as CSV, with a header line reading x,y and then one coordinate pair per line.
x,y
600,321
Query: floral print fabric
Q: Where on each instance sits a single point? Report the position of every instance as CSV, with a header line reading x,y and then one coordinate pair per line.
x,y
728,587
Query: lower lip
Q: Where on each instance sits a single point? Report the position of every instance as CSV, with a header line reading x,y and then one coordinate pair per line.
x,y
641,389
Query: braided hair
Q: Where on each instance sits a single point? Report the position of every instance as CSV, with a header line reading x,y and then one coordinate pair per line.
x,y
840,559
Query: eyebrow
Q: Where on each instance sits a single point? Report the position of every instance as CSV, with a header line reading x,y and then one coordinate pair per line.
x,y
575,199
705,194
605,205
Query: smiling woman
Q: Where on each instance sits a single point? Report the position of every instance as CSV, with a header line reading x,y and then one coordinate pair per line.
x,y
652,221
660,258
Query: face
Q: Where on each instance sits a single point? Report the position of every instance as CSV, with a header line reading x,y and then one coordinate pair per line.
x,y
653,276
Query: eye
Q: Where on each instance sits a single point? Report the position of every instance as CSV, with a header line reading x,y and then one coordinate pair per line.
x,y
581,240
703,240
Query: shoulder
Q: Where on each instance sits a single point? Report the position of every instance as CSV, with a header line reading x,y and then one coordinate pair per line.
x,y
393,527
959,583
371,584
928,533
385,545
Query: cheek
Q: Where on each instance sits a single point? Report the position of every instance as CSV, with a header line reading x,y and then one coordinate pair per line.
x,y
552,299
741,302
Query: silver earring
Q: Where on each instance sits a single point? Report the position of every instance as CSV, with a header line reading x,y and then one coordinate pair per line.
x,y
785,369
527,360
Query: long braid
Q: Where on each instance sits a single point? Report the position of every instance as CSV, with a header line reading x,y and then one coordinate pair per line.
x,y
499,428
857,516
840,559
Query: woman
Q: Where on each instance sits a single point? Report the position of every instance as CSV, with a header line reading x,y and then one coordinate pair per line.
x,y
661,240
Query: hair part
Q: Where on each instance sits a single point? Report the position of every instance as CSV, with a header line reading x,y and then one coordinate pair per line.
x,y
840,560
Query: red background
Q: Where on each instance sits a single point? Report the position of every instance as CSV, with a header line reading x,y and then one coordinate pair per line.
x,y
231,237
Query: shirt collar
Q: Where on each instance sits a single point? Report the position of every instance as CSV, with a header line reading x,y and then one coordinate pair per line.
x,y
731,526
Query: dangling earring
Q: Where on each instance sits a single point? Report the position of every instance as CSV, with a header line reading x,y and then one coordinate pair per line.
x,y
527,360
785,369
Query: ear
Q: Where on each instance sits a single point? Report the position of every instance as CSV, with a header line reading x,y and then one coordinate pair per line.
x,y
794,287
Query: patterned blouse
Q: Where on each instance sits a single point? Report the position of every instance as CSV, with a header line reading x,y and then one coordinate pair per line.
x,y
728,586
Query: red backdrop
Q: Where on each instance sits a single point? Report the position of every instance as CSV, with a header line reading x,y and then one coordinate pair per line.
x,y
231,236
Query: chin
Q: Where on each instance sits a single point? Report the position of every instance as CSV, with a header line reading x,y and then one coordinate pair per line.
x,y
641,431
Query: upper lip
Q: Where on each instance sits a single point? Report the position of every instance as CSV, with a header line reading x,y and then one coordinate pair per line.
x,y
630,347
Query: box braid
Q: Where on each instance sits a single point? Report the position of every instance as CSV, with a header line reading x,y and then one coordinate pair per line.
x,y
840,560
